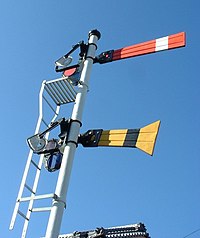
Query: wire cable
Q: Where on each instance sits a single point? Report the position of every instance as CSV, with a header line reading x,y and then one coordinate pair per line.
x,y
192,233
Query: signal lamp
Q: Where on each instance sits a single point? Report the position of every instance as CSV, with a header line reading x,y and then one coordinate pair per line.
x,y
74,74
52,155
36,143
64,61
52,161
52,150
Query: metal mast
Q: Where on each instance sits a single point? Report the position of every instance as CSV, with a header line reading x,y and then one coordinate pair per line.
x,y
59,203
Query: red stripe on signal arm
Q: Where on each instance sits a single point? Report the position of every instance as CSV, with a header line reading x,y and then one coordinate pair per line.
x,y
135,50
177,40
174,41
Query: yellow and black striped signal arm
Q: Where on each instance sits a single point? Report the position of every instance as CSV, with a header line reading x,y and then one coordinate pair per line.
x,y
143,138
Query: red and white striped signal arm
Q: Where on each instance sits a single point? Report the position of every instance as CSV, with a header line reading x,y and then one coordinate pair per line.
x,y
152,46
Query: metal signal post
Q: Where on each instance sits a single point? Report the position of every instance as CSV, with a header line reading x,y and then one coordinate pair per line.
x,y
59,203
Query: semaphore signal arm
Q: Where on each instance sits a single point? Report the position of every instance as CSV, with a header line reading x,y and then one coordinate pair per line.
x,y
148,47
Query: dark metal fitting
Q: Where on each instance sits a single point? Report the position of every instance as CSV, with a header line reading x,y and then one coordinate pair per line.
x,y
104,57
73,142
72,120
93,44
96,33
90,138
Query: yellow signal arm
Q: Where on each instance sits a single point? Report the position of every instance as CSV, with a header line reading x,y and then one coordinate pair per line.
x,y
143,138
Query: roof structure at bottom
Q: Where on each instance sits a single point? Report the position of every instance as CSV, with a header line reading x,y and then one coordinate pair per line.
x,y
128,231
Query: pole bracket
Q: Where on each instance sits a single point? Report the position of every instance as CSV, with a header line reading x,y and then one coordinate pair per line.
x,y
104,57
90,138
57,199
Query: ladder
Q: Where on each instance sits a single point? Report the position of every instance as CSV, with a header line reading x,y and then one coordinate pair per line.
x,y
53,94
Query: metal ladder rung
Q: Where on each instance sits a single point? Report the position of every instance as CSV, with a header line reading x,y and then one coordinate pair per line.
x,y
50,195
35,165
44,122
41,209
49,105
29,188
22,214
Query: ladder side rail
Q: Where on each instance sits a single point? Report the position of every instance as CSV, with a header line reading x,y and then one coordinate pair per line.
x,y
21,189
30,206
40,108
28,163
37,176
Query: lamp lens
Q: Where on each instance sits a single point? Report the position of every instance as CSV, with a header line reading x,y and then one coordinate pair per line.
x,y
53,162
36,143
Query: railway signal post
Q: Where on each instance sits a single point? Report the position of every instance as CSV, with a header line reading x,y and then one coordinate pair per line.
x,y
58,154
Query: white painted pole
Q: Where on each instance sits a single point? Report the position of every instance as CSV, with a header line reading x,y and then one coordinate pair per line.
x,y
59,203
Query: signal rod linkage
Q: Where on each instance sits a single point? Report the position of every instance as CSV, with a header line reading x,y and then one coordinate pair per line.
x,y
73,72
62,63
52,149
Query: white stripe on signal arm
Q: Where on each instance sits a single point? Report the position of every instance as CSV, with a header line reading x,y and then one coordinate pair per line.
x,y
162,43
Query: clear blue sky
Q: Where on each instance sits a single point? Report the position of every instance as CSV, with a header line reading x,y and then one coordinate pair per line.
x,y
108,186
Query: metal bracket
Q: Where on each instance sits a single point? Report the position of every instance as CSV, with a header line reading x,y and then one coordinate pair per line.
x,y
104,57
90,138
56,198
62,63
40,145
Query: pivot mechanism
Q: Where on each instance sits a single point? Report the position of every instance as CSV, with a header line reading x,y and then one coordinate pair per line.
x,y
52,149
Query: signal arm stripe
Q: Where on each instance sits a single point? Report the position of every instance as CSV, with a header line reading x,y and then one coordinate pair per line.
x,y
152,46
161,43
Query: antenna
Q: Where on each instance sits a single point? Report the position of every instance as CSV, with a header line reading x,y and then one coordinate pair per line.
x,y
58,153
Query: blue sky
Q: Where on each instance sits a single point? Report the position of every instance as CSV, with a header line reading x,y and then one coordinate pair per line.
x,y
108,186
